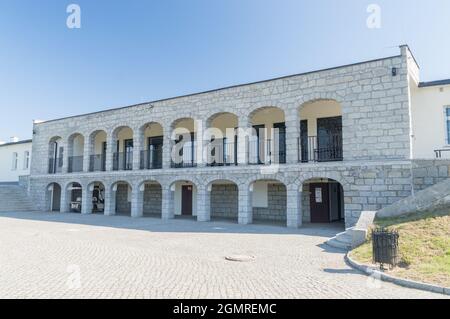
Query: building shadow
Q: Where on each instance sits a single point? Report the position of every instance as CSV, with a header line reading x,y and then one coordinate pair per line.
x,y
155,224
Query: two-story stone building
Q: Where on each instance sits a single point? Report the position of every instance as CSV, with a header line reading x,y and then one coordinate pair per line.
x,y
326,145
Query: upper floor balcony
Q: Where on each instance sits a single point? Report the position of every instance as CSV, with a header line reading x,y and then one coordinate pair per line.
x,y
223,140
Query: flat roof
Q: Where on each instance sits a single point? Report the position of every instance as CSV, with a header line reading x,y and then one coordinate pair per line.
x,y
223,88
434,83
16,143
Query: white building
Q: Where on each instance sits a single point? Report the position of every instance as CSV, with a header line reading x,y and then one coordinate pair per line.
x,y
15,160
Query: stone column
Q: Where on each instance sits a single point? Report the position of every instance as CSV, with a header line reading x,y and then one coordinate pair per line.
x,y
292,135
245,213
168,197
138,146
294,213
137,201
65,199
203,204
88,151
110,149
86,200
200,143
243,133
65,166
167,149
110,201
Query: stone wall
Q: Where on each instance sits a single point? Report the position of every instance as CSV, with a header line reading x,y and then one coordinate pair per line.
x,y
276,210
123,206
429,172
224,201
152,199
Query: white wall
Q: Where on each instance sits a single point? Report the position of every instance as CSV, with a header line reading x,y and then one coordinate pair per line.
x,y
320,109
429,123
7,174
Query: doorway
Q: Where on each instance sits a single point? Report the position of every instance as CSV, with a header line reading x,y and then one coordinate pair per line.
x,y
326,202
186,200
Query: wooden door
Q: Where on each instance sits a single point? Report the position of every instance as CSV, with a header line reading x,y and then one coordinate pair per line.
x,y
320,203
186,200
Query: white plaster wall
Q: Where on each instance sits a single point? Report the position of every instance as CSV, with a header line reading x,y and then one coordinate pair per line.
x,y
99,139
429,123
313,111
260,197
6,156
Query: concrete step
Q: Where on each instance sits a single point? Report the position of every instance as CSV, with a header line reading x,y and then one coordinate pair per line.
x,y
344,238
14,198
333,242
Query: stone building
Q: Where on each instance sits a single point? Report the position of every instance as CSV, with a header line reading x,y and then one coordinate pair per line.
x,y
325,146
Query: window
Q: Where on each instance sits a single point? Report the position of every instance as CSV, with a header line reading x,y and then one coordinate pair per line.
x,y
26,160
447,121
15,158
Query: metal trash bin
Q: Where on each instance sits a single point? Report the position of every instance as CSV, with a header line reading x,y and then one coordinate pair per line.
x,y
385,247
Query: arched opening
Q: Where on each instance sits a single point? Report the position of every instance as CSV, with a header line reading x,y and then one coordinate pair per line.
x,y
184,140
152,154
75,196
151,199
222,139
123,149
76,153
320,131
224,200
269,202
184,196
120,198
53,197
267,145
55,155
323,201
96,198
97,151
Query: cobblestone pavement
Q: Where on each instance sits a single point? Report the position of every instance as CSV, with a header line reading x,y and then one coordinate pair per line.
x,y
45,255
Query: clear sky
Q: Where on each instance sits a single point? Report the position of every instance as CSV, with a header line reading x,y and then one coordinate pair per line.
x,y
134,51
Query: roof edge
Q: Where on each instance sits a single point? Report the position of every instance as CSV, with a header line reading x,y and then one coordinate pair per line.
x,y
17,143
434,83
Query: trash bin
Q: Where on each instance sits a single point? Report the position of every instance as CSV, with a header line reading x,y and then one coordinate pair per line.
x,y
385,247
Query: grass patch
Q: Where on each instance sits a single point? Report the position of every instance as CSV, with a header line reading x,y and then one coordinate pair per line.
x,y
424,247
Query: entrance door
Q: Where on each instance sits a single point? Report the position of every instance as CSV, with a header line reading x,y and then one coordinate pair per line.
x,y
329,139
128,154
320,203
186,200
280,138
56,198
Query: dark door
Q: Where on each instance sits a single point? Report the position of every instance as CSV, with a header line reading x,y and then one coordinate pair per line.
x,y
304,141
128,153
186,200
320,203
56,198
280,138
329,139
155,152
104,156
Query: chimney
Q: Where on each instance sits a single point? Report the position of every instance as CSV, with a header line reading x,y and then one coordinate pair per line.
x,y
14,139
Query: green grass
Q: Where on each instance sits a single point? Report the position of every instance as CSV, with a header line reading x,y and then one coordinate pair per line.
x,y
424,247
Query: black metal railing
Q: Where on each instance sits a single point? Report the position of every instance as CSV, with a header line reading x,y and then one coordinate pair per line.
x,y
151,158
55,165
75,164
312,149
222,153
438,153
186,157
266,152
97,163
123,161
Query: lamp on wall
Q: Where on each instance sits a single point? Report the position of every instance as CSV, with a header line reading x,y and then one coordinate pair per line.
x,y
394,71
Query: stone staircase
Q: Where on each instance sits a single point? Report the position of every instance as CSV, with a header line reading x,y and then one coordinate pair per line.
x,y
14,198
353,236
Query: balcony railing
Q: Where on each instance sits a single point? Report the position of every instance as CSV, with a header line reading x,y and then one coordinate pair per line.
x,y
266,152
222,153
75,164
327,149
97,163
123,161
186,157
55,165
151,159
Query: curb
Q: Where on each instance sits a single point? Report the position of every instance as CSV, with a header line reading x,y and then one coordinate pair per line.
x,y
395,280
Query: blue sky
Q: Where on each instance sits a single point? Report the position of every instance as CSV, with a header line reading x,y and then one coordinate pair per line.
x,y
129,52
